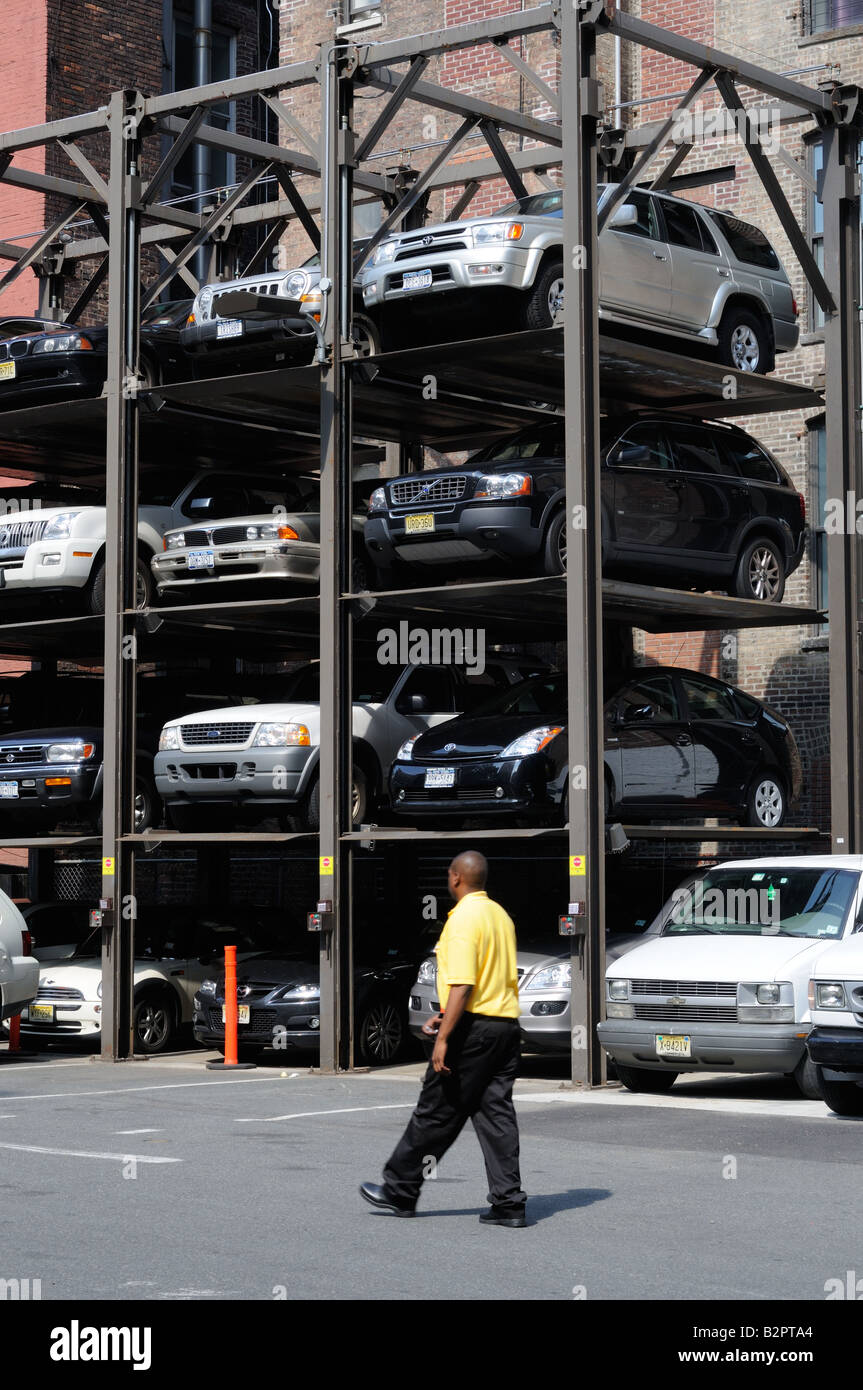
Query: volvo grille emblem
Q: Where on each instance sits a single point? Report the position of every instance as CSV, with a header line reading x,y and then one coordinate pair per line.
x,y
676,999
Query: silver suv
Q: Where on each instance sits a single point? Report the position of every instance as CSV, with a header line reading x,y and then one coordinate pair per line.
x,y
665,263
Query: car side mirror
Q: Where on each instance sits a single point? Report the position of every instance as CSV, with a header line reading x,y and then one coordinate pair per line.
x,y
201,505
624,216
633,455
419,704
637,713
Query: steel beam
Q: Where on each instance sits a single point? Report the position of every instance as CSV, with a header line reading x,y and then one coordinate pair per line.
x,y
233,89
844,403
393,106
93,284
80,160
190,280
459,104
86,124
586,835
501,154
335,666
790,225
274,235
121,553
173,156
289,119
699,55
301,212
527,72
470,191
458,36
34,252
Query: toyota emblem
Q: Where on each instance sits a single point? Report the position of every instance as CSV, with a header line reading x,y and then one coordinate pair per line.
x,y
449,747
10,757
427,240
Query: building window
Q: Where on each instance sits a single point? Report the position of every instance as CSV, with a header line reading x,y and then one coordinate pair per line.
x,y
822,15
816,234
222,115
818,552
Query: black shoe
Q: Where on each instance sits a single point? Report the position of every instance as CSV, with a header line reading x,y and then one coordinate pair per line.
x,y
494,1218
380,1198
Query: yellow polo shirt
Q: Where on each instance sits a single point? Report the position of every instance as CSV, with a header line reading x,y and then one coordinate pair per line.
x,y
477,947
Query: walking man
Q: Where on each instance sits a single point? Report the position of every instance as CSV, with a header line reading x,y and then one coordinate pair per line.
x,y
475,1057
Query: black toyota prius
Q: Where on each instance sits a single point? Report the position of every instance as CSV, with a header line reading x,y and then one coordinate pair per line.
x,y
678,744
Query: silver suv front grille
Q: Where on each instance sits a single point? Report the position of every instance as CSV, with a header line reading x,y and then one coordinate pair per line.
x,y
414,490
214,735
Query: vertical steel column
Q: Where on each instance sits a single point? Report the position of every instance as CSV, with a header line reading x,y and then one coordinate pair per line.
x,y
121,468
580,116
844,401
336,726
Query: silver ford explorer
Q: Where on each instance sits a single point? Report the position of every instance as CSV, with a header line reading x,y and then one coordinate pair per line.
x,y
665,264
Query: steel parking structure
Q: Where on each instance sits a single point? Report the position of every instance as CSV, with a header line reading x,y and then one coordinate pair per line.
x,y
317,413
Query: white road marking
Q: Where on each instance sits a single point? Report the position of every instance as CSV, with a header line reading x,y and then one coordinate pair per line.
x,y
305,1114
167,1086
42,1066
795,1109
85,1153
136,1131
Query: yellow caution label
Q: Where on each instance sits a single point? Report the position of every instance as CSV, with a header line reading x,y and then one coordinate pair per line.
x,y
577,865
107,868
325,864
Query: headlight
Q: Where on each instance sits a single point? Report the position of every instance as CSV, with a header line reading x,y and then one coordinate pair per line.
x,y
406,751
99,990
69,342
427,973
59,526
301,992
275,532
767,994
175,540
296,284
618,989
282,736
490,232
496,485
207,987
378,500
75,751
169,738
830,995
551,977
205,299
384,253
532,742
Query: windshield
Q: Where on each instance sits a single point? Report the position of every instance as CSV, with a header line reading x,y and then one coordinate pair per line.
x,y
545,695
535,205
764,902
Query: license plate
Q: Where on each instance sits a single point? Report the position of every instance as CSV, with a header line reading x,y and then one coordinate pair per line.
x,y
41,1013
417,280
242,1013
423,522
8,789
200,559
7,371
229,328
440,777
673,1045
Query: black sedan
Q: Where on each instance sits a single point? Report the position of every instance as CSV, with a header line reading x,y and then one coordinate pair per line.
x,y
61,361
678,744
692,504
279,1001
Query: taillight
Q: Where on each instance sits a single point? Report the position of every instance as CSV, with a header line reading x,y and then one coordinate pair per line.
x,y
27,943
801,500
794,308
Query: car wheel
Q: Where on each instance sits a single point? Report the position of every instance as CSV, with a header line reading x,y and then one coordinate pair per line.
x,y
744,341
360,575
765,806
554,550
806,1078
843,1097
645,1081
367,336
143,587
311,813
146,804
760,572
153,1023
381,1033
545,300
151,373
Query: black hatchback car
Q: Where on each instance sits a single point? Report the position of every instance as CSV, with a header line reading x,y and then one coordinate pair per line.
x,y
678,744
698,505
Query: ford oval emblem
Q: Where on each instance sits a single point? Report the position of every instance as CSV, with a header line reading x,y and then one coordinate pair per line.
x,y
213,733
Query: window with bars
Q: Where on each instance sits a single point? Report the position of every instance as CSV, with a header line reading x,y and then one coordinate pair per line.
x,y
822,15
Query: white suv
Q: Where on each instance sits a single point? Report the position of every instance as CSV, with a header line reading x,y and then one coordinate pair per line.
x,y
19,969
835,1044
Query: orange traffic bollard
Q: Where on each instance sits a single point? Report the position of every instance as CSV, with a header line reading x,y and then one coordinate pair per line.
x,y
15,1033
231,1015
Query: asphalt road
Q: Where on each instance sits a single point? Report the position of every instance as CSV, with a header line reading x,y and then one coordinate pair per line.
x,y
160,1180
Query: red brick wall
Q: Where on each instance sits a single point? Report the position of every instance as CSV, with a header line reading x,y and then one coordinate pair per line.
x,y
23,68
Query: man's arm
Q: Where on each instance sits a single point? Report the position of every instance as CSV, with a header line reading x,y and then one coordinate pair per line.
x,y
455,1007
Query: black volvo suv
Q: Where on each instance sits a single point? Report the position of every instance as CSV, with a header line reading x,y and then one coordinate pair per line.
x,y
696,505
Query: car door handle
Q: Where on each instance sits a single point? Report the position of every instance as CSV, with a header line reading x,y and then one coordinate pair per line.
x,y
659,256
726,274
683,740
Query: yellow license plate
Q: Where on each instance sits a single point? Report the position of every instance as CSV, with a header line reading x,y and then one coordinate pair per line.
x,y
7,371
673,1045
242,1013
41,1013
423,522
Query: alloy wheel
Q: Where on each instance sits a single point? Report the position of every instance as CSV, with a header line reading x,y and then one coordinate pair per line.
x,y
555,298
763,573
382,1033
745,351
768,803
152,1025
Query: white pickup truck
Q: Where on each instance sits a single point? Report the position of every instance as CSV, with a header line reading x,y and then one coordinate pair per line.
x,y
265,759
63,548
724,986
835,1045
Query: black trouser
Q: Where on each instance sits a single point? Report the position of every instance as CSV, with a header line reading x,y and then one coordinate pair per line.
x,y
482,1054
